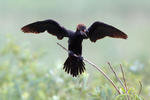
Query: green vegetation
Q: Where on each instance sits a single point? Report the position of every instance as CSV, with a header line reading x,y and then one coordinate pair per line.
x,y
24,77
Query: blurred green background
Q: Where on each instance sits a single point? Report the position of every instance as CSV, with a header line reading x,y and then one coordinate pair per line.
x,y
31,65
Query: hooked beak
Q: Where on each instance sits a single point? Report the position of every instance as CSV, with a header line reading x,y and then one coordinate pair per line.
x,y
84,32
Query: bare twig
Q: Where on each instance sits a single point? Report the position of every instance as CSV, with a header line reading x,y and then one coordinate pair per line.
x,y
126,88
103,74
123,75
116,75
140,88
89,62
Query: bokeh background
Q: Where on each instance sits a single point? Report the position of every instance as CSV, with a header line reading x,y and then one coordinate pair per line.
x,y
31,65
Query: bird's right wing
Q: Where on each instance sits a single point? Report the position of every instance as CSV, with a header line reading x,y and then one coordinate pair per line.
x,y
99,30
50,26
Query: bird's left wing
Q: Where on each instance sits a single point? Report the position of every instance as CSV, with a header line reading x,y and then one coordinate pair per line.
x,y
99,30
50,26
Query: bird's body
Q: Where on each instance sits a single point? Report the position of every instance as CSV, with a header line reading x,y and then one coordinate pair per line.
x,y
73,64
75,43
98,30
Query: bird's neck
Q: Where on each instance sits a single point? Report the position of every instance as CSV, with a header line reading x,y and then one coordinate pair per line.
x,y
77,31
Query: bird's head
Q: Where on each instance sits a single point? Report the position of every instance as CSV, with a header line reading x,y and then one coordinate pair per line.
x,y
82,29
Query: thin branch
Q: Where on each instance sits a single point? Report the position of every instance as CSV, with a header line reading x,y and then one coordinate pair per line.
x,y
67,50
126,88
89,62
140,88
123,75
116,75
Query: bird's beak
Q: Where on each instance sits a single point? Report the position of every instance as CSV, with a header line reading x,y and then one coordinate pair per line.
x,y
84,32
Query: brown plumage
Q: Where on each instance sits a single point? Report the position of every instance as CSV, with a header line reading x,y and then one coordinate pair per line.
x,y
97,30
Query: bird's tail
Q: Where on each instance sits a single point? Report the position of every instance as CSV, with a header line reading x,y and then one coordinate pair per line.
x,y
74,66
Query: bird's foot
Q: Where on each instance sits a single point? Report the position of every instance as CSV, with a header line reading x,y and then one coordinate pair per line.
x,y
80,57
71,53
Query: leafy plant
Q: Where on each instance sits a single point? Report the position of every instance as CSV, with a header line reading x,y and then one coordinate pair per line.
x,y
23,76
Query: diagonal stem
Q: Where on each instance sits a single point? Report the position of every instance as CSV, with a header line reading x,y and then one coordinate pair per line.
x,y
95,66
125,83
116,75
140,88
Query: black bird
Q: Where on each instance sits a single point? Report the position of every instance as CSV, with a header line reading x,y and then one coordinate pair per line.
x,y
98,30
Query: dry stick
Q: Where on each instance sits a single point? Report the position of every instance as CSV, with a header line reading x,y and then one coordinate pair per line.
x,y
140,88
86,60
116,75
123,75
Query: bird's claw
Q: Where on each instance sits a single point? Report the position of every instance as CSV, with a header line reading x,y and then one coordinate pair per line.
x,y
80,57
71,53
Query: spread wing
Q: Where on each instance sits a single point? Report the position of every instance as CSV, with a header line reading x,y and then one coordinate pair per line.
x,y
50,26
99,30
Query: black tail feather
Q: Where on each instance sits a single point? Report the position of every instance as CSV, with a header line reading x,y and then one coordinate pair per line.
x,y
74,66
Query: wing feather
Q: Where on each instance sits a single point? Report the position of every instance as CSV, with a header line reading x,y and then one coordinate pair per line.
x,y
99,30
50,26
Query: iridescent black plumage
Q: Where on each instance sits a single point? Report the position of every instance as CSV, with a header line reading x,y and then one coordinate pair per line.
x,y
97,30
